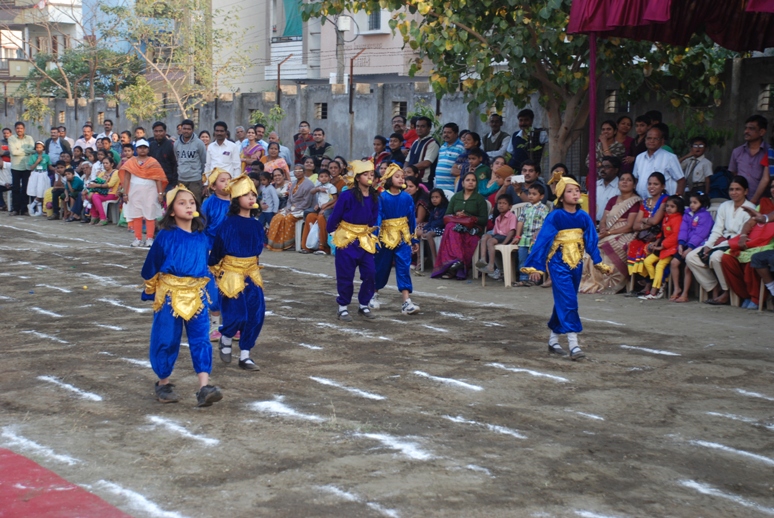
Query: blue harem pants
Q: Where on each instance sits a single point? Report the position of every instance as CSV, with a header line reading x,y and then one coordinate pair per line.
x,y
402,257
245,314
165,337
565,283
347,260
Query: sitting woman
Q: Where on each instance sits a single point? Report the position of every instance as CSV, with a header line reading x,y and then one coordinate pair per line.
x,y
105,189
282,187
282,230
647,226
616,231
272,160
464,222
434,226
705,262
757,236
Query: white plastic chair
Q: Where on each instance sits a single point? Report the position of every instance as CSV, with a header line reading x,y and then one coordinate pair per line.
x,y
506,251
299,233
110,208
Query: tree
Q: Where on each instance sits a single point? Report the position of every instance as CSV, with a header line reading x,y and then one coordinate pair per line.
x,y
510,49
141,101
179,47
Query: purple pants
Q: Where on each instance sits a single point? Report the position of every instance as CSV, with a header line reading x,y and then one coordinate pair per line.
x,y
347,259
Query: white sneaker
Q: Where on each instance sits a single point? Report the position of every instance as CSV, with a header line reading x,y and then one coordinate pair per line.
x,y
148,242
409,308
496,275
137,243
31,208
39,212
375,304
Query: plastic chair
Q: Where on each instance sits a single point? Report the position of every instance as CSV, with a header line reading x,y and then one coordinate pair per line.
x,y
110,208
764,299
422,243
506,251
299,233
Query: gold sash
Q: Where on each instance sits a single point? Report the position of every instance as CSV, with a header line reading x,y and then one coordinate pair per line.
x,y
571,242
347,233
231,272
186,293
394,231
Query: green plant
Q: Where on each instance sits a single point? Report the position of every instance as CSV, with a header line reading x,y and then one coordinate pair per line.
x,y
141,101
271,120
35,110
679,137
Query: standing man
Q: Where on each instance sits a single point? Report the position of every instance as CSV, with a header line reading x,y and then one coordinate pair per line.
x,y
656,159
320,148
63,134
53,147
424,152
163,150
526,144
748,159
20,146
452,148
222,152
240,134
607,184
495,142
260,132
301,140
108,130
696,166
284,153
191,155
87,140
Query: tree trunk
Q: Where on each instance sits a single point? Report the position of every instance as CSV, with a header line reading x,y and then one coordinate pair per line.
x,y
564,126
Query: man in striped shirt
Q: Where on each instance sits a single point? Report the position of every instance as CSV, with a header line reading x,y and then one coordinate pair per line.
x,y
452,148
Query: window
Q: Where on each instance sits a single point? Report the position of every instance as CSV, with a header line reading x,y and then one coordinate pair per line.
x,y
765,101
101,118
399,108
66,41
320,111
375,21
195,118
611,101
61,117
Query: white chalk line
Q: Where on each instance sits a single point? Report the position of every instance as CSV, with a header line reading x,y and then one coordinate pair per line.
x,y
449,381
351,390
107,326
711,491
590,514
119,304
479,469
3,297
47,337
433,328
410,449
108,282
82,393
45,312
754,394
26,444
528,371
491,427
743,419
651,351
352,497
300,272
172,426
717,446
116,265
603,321
63,290
584,414
350,331
137,501
280,409
312,347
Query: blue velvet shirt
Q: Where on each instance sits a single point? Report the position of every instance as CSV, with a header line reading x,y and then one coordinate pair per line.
x,y
179,253
237,237
214,211
349,209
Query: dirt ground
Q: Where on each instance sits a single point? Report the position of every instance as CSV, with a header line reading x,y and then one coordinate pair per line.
x,y
457,411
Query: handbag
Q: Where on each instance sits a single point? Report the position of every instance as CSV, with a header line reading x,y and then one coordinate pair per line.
x,y
313,239
649,235
465,221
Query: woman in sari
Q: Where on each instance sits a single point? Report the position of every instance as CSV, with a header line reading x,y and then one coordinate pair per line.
x,y
273,161
616,231
253,152
649,218
455,255
281,185
282,230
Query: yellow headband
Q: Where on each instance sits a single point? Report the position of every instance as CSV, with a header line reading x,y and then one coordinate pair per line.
x,y
356,168
212,177
562,184
391,170
171,196
240,186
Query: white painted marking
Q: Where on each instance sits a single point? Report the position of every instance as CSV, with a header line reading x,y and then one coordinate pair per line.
x,y
603,321
3,297
63,290
711,491
459,316
530,372
300,272
102,280
433,328
85,395
278,408
106,326
172,426
350,331
390,513
344,495
590,416
352,497
312,347
716,446
141,363
116,265
473,467
47,337
46,312
408,448
651,351
352,390
590,514
122,305
743,419
491,427
26,444
449,381
754,394
492,324
137,501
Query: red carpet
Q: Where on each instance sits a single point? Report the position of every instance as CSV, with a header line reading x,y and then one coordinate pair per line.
x,y
30,490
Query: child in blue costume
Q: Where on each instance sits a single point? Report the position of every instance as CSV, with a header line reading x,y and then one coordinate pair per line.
x,y
397,224
176,275
234,263
215,210
353,222
567,231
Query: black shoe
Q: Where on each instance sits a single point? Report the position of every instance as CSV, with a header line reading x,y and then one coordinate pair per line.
x,y
86,220
224,357
454,268
14,213
53,217
366,313
165,394
208,395
556,349
248,365
576,354
344,316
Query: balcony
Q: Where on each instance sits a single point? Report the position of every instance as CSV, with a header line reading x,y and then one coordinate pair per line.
x,y
16,69
295,67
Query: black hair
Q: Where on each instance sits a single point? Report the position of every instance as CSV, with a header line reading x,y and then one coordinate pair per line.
x,y
267,176
760,120
614,161
87,125
234,208
475,136
428,120
304,122
462,178
103,139
372,193
254,175
220,124
700,138
401,117
339,157
259,125
139,128
452,126
381,139
65,152
273,144
60,127
324,171
69,170
679,201
622,117
126,133
534,164
60,162
54,128
658,176
498,116
526,113
413,120
538,187
388,183
187,122
611,123
507,198
645,119
664,130
414,172
202,132
418,194
109,156
19,123
127,146
444,199
168,221
704,199
655,116
476,151
257,165
397,136
305,159
742,181
320,130
78,147
106,121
